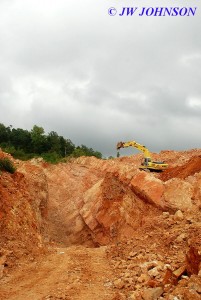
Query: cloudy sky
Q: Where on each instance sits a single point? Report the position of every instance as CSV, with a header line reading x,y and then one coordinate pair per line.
x,y
68,66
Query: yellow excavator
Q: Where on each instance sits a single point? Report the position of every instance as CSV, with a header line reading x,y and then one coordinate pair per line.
x,y
147,164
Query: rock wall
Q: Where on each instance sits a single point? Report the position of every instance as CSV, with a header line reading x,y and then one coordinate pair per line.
x,y
91,201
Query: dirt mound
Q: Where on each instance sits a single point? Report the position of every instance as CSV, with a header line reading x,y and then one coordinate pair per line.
x,y
192,166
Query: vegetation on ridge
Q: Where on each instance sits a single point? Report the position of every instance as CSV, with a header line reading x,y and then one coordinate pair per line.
x,y
24,144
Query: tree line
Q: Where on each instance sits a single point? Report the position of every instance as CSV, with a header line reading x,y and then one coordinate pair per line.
x,y
24,144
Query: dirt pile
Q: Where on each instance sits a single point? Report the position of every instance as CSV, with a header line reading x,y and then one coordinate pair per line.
x,y
148,220
192,166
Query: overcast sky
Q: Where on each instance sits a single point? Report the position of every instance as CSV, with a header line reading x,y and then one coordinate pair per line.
x,y
68,66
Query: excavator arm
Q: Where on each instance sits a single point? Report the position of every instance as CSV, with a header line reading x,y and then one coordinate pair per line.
x,y
135,145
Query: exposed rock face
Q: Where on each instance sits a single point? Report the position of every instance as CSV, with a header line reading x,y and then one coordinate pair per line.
x,y
151,189
178,194
67,184
90,202
94,202
195,181
112,211
19,221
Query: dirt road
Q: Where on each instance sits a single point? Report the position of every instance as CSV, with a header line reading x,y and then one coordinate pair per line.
x,y
68,273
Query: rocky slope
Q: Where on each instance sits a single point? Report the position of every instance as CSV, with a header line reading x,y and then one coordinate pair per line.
x,y
148,220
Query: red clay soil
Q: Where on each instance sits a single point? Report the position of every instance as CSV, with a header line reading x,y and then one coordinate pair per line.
x,y
191,167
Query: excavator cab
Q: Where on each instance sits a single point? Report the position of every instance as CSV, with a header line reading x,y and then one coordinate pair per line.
x,y
146,161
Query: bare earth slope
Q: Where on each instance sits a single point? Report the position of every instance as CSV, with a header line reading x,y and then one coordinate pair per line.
x,y
146,226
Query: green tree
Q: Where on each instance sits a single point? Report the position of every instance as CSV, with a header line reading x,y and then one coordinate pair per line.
x,y
77,152
4,134
90,152
85,151
53,141
97,154
38,140
67,147
21,139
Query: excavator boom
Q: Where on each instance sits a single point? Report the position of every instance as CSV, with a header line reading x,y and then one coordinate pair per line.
x,y
135,145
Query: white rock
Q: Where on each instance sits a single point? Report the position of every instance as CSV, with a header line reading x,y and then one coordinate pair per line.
x,y
178,216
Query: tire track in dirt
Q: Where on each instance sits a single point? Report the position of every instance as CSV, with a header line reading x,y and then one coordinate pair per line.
x,y
69,273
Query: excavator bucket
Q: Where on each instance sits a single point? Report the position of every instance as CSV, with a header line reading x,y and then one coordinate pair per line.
x,y
120,145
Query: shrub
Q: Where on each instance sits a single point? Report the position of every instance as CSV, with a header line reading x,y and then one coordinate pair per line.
x,y
51,157
7,165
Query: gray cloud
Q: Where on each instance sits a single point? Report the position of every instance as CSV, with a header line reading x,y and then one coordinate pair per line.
x,y
69,67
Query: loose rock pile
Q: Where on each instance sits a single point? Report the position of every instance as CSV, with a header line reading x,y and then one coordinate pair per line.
x,y
160,263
